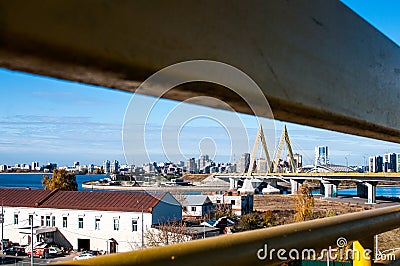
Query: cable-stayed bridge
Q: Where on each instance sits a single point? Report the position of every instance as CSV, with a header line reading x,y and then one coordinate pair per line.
x,y
255,182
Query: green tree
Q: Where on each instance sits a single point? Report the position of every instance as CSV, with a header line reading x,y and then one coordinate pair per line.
x,y
303,204
61,179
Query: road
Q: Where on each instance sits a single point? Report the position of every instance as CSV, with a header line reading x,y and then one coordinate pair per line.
x,y
24,260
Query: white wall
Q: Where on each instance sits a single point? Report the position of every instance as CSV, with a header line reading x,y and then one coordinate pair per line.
x,y
127,239
239,202
198,212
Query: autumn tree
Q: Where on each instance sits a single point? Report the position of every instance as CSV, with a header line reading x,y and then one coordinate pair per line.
x,y
60,179
223,210
256,220
303,203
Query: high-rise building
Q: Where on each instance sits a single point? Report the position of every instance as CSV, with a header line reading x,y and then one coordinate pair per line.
x,y
202,162
90,168
376,164
298,161
191,167
3,168
106,166
398,162
321,155
114,167
243,164
149,168
390,162
35,166
262,165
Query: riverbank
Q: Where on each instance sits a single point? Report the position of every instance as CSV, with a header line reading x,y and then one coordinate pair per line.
x,y
182,189
34,180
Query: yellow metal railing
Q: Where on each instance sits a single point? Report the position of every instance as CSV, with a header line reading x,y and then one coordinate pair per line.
x,y
242,248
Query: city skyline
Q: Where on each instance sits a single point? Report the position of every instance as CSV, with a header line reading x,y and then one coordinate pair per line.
x,y
44,119
87,127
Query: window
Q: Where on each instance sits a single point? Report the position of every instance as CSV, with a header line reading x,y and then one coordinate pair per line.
x,y
30,219
233,202
97,224
42,220
47,220
116,224
80,222
53,221
15,218
193,209
65,222
134,225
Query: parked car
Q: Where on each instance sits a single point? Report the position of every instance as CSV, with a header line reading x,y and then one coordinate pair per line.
x,y
38,252
54,251
84,256
93,252
15,251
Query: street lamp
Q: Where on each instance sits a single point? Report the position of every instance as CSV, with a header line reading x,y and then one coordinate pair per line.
x,y
347,163
31,220
142,226
2,226
142,229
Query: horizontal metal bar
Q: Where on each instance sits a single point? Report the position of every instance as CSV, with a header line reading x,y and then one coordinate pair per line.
x,y
317,62
241,248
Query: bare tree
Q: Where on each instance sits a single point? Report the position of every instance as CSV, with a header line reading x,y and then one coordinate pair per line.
x,y
168,233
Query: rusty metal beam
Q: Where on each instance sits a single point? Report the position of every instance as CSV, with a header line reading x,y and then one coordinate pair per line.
x,y
318,63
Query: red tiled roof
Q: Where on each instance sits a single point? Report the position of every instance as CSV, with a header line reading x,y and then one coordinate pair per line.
x,y
102,201
82,200
14,197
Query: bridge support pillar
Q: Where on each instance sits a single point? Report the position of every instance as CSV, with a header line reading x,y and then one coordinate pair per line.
x,y
330,188
295,185
362,190
371,192
321,188
233,183
367,190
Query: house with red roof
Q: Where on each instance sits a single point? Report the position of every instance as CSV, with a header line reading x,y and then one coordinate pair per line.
x,y
107,221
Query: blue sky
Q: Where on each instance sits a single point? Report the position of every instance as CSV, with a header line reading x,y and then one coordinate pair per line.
x,y
50,120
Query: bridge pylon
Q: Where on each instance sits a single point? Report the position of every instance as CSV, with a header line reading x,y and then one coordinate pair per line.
x,y
260,136
284,139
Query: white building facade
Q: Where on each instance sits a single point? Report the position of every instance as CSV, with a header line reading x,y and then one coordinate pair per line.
x,y
107,221
197,206
241,204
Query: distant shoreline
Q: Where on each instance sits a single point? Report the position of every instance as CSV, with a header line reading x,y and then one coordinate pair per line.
x,y
29,173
